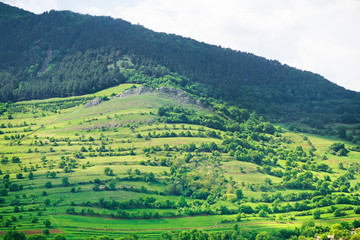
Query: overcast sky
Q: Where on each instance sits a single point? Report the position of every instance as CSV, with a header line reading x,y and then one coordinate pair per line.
x,y
322,36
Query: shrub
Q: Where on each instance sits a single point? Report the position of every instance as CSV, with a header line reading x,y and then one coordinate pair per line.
x,y
316,214
357,210
47,223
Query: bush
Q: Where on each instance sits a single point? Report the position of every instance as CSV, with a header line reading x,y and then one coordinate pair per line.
x,y
14,235
339,213
47,223
46,232
36,237
19,176
59,237
357,210
316,214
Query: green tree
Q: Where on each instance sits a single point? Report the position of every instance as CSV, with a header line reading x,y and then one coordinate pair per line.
x,y
48,185
59,237
263,236
112,185
316,214
36,237
46,232
182,202
47,202
14,235
262,213
65,181
239,194
338,213
47,223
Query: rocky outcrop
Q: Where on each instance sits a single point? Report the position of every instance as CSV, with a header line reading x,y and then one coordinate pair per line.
x,y
94,102
165,92
135,92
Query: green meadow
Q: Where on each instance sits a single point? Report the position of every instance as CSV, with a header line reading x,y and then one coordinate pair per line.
x,y
118,168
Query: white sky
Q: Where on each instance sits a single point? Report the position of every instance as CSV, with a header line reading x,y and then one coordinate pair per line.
x,y
322,36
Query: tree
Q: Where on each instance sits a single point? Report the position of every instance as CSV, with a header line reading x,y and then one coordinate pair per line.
x,y
53,174
356,223
357,210
316,214
182,202
3,192
96,187
47,202
48,184
15,159
46,232
262,213
108,171
31,176
263,236
65,181
338,149
14,235
239,194
338,213
36,237
47,223
279,218
59,237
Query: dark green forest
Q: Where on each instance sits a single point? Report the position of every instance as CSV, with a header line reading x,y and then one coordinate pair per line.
x,y
60,53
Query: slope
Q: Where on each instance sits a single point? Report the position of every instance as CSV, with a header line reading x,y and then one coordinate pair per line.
x,y
65,54
152,164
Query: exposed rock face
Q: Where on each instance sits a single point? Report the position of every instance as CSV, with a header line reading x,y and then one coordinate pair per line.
x,y
165,92
93,102
135,91
177,94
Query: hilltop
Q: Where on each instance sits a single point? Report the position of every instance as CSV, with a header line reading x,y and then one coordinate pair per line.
x,y
60,53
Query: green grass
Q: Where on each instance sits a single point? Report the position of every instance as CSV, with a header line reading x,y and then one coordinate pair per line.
x,y
115,125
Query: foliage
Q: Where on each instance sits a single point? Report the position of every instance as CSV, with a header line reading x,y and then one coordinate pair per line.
x,y
65,54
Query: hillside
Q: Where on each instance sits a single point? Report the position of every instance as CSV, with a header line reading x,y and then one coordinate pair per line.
x,y
145,161
59,54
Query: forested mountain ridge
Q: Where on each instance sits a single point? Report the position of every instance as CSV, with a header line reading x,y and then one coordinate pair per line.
x,y
60,53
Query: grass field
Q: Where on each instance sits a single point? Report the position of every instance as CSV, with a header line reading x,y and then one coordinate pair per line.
x,y
115,169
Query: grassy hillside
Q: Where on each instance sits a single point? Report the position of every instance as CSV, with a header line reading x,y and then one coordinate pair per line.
x,y
59,54
137,165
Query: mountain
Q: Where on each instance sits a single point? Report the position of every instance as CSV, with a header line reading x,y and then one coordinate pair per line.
x,y
173,150
61,53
